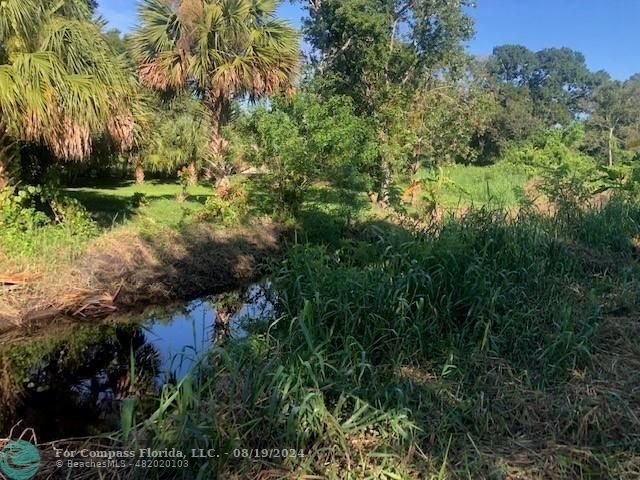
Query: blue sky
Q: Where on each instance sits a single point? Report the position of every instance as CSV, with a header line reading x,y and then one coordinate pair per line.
x,y
606,31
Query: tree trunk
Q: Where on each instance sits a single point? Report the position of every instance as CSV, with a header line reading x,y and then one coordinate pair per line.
x,y
217,111
4,172
611,147
386,183
139,172
385,170
192,172
5,152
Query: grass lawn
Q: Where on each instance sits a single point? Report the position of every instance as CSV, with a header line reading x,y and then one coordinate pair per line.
x,y
120,202
154,202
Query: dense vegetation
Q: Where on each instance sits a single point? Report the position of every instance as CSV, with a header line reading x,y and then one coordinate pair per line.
x,y
458,292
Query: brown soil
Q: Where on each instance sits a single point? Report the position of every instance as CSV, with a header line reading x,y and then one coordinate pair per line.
x,y
126,269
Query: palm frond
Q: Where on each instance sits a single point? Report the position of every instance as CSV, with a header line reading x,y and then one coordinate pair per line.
x,y
227,47
19,18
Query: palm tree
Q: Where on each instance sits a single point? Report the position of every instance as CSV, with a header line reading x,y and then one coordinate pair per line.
x,y
60,83
218,49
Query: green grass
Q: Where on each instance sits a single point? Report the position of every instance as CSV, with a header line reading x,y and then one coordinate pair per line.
x,y
465,354
499,185
115,203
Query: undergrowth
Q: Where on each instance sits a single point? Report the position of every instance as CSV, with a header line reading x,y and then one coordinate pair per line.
x,y
481,351
39,222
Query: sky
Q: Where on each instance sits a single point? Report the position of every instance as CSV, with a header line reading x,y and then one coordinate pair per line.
x,y
607,32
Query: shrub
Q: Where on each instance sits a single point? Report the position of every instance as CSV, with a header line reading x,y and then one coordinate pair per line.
x,y
33,217
230,210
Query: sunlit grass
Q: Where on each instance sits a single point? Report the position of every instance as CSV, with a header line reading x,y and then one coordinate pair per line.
x,y
499,185
121,202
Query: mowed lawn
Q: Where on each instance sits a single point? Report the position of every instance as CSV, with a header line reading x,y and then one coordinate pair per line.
x,y
154,202
125,202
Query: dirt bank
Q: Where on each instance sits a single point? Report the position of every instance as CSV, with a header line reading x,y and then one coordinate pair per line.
x,y
126,269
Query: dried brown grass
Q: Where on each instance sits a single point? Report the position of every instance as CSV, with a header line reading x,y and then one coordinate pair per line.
x,y
567,431
125,269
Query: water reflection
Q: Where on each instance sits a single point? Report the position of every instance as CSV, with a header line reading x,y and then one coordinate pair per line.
x,y
75,384
76,390
182,339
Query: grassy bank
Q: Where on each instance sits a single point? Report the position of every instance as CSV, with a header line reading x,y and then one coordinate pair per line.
x,y
128,268
493,348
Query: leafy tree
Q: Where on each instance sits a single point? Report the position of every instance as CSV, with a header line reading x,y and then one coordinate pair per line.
x,y
513,64
445,122
180,141
307,139
512,120
559,85
219,49
380,51
557,80
615,114
364,47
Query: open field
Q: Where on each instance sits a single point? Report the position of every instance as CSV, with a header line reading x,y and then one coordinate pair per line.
x,y
120,202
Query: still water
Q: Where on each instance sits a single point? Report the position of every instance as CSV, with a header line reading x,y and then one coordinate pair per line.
x,y
75,385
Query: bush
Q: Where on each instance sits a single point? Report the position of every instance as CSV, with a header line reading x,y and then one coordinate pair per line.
x,y
230,210
34,217
306,140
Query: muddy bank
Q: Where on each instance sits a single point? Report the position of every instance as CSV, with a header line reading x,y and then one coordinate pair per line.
x,y
124,270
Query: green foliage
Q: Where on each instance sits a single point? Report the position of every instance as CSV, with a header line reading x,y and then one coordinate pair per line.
x,y
552,148
395,343
60,83
227,211
365,48
512,122
445,122
180,140
303,140
614,122
33,219
217,51
556,79
18,209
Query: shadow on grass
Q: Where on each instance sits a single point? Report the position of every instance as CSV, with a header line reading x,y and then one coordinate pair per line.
x,y
108,210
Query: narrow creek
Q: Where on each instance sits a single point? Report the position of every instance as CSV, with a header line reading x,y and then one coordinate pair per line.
x,y
72,386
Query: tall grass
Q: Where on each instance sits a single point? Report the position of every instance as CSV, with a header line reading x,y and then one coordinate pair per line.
x,y
470,353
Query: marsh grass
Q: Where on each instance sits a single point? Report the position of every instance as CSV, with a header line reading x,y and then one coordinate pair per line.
x,y
498,347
